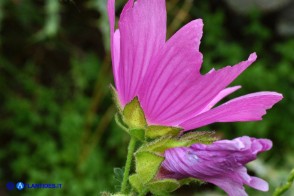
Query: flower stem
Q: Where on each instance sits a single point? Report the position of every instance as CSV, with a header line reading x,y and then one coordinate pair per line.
x,y
282,189
131,149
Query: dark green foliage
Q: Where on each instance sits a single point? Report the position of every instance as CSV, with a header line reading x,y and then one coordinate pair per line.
x,y
118,177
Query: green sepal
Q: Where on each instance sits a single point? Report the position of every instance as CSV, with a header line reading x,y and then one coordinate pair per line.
x,y
120,122
115,98
163,143
116,194
136,182
169,143
187,181
155,131
120,194
133,115
148,161
154,145
203,137
163,187
147,165
139,134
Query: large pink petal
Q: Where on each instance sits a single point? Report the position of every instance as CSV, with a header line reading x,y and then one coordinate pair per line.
x,y
198,95
258,184
250,107
142,28
176,91
116,56
174,69
219,97
231,187
114,40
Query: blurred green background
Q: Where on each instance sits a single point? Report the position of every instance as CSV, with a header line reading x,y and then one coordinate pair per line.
x,y
56,109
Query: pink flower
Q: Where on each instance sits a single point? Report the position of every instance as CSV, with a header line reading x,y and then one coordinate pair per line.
x,y
221,163
165,75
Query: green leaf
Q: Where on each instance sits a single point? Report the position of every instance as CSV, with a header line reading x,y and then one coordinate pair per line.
x,y
118,174
155,131
163,187
134,115
139,134
118,177
115,98
147,165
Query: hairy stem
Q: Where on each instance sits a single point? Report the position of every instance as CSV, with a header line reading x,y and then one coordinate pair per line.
x,y
131,149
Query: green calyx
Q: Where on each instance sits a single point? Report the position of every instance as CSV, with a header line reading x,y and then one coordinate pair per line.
x,y
163,187
161,144
115,98
155,131
147,165
156,139
134,116
150,156
132,119
144,179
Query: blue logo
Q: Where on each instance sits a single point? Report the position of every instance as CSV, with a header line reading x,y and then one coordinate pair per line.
x,y
10,186
20,186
